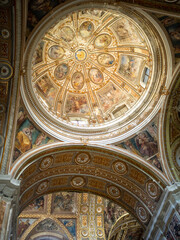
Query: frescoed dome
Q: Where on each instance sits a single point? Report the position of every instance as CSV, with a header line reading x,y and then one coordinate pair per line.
x,y
91,71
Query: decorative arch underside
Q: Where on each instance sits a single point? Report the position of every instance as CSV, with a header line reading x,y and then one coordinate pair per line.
x,y
172,130
92,169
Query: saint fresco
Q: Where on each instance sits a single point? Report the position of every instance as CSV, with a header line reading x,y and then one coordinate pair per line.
x,y
77,80
102,41
86,29
130,67
55,52
76,104
61,71
96,75
23,224
142,144
106,60
27,135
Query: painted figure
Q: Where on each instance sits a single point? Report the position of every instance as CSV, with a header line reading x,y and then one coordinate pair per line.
x,y
64,202
86,29
103,41
130,66
56,52
24,139
147,147
76,104
77,80
96,75
61,71
67,34
106,59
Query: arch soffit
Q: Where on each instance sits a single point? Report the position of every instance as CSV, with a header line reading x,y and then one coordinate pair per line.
x,y
90,168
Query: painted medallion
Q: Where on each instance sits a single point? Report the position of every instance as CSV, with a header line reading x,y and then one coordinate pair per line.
x,y
86,29
106,60
77,80
61,71
67,34
102,41
55,52
96,75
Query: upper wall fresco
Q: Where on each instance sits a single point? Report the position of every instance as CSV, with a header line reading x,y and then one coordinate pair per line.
x,y
28,135
145,144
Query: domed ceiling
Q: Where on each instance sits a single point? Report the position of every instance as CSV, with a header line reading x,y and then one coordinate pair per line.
x,y
92,67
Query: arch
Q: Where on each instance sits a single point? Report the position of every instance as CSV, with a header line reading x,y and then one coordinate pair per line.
x,y
104,171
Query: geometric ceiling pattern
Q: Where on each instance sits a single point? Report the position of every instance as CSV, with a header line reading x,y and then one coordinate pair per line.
x,y
74,216
91,67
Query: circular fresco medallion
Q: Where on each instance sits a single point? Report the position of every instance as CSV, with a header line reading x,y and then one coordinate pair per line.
x,y
67,34
78,182
84,209
5,33
80,55
99,209
113,191
106,60
42,187
84,232
119,167
61,71
46,163
102,41
55,52
6,70
86,29
96,75
142,214
82,158
77,80
152,189
99,233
